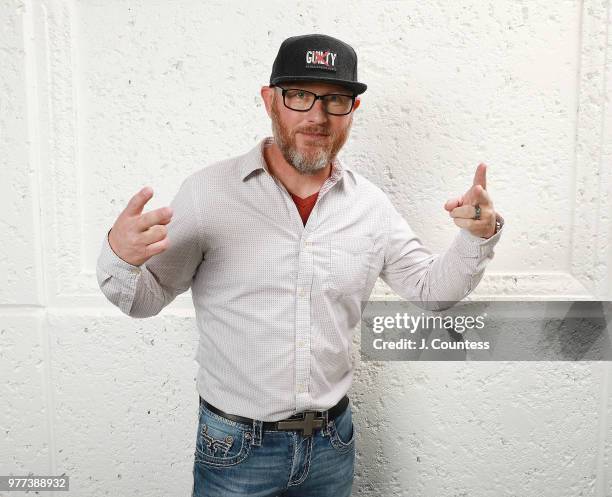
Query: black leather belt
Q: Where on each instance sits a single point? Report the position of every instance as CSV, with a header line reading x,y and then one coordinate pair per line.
x,y
304,421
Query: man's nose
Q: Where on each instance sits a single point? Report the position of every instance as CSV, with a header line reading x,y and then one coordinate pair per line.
x,y
317,112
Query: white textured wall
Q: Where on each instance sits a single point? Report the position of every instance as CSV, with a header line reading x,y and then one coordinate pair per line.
x,y
99,98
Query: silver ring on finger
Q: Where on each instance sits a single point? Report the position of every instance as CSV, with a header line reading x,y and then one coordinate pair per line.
x,y
477,215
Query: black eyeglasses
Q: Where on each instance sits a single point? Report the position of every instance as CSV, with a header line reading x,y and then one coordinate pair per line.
x,y
299,100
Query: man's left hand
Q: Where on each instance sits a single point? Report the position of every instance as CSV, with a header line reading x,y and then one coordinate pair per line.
x,y
463,209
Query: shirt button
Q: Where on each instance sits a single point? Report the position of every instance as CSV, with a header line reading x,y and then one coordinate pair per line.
x,y
301,293
301,389
300,343
135,270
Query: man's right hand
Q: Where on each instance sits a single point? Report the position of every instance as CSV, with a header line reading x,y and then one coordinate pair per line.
x,y
136,237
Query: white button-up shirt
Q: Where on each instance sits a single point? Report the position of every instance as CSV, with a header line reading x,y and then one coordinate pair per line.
x,y
277,302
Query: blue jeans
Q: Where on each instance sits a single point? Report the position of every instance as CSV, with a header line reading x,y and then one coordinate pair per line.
x,y
235,459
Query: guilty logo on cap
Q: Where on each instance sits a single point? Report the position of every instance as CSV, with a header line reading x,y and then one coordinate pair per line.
x,y
318,59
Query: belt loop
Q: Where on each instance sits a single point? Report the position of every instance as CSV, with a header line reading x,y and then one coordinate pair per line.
x,y
257,432
325,430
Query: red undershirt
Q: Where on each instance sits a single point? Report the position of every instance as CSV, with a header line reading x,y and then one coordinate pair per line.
x,y
305,205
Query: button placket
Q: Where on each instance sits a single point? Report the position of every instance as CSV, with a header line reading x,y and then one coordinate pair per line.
x,y
302,323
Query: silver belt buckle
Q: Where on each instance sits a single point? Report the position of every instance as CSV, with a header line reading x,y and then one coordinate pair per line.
x,y
306,424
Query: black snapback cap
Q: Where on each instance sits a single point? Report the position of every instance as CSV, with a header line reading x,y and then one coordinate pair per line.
x,y
317,57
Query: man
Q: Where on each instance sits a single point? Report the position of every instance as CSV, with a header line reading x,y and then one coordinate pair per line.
x,y
279,246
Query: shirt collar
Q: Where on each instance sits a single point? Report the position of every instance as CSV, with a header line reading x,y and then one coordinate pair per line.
x,y
254,160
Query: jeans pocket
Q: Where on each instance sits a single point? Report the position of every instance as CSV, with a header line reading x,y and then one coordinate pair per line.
x,y
221,442
342,431
348,264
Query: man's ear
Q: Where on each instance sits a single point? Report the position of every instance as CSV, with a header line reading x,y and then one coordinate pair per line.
x,y
267,94
357,103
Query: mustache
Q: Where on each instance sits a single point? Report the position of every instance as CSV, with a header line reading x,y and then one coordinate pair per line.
x,y
317,131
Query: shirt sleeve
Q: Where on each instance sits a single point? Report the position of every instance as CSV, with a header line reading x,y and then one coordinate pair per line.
x,y
433,281
143,291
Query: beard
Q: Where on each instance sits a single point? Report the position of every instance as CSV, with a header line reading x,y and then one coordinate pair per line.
x,y
315,157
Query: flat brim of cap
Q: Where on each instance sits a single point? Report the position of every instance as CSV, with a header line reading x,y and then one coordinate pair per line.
x,y
357,88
